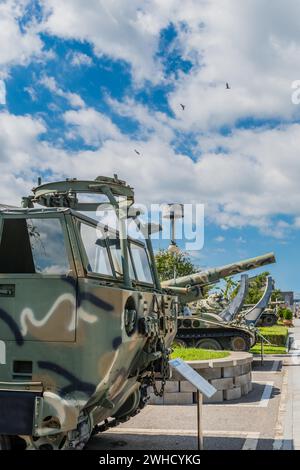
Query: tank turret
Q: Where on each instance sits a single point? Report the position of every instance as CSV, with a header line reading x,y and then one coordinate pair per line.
x,y
211,328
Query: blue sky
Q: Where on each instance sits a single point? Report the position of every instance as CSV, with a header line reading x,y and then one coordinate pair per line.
x,y
84,84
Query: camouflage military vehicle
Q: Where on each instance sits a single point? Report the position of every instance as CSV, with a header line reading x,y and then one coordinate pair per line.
x,y
252,314
209,326
268,318
216,326
84,322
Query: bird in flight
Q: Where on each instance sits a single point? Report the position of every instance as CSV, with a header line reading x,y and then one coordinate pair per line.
x,y
138,153
227,86
183,106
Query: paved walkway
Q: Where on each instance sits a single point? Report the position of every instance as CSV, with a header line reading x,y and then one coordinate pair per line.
x,y
291,423
267,418
249,423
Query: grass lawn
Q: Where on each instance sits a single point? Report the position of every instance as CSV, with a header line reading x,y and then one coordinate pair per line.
x,y
268,349
194,354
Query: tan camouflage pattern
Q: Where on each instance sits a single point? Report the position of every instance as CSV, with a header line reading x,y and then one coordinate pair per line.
x,y
212,275
214,303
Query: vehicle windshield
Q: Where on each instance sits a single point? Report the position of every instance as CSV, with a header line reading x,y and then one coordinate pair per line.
x,y
141,263
104,254
116,254
96,250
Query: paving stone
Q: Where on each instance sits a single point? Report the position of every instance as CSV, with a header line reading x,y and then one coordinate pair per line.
x,y
216,398
176,376
223,363
232,371
208,374
154,400
245,360
245,368
199,364
171,386
242,379
180,398
186,386
222,384
233,393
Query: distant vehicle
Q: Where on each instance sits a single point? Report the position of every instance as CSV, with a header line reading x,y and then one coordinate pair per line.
x,y
225,326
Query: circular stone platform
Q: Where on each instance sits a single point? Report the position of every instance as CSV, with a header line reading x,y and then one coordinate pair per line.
x,y
231,376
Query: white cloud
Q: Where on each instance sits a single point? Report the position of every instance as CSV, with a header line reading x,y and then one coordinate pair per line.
x,y
251,44
31,92
91,125
244,187
78,59
122,30
73,98
19,155
219,239
258,171
2,92
244,178
149,122
18,46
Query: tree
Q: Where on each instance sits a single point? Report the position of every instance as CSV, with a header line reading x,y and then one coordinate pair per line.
x,y
169,263
256,287
230,289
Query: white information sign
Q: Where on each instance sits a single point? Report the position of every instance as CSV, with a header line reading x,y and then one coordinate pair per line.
x,y
193,377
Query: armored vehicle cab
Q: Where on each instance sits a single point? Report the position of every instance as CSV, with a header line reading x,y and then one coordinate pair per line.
x,y
84,323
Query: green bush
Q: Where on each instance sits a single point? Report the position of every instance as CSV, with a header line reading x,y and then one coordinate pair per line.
x,y
288,314
281,312
285,313
268,349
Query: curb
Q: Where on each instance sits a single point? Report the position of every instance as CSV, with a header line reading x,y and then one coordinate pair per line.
x,y
231,376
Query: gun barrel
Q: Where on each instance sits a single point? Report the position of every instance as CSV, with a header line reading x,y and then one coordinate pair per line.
x,y
212,275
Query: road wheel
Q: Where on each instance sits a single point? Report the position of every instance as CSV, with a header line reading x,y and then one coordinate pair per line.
x,y
208,343
179,343
268,320
239,343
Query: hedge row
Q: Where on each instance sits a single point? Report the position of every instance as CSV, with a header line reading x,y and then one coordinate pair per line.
x,y
277,336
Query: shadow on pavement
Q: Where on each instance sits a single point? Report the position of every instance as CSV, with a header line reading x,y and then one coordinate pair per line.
x,y
254,396
107,441
267,365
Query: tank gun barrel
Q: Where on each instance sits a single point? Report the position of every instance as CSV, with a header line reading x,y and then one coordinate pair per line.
x,y
213,275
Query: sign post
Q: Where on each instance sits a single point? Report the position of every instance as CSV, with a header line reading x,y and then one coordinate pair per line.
x,y
203,388
199,420
262,350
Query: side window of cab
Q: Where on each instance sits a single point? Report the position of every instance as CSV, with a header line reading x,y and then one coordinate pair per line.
x,y
33,246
